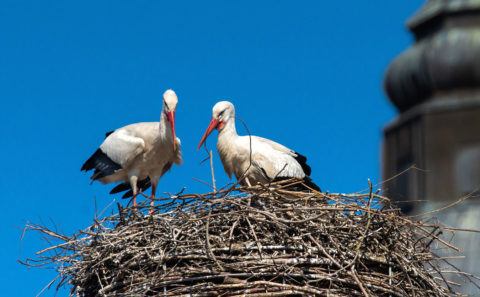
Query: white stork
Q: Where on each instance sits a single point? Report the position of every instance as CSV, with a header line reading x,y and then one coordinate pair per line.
x,y
138,154
267,160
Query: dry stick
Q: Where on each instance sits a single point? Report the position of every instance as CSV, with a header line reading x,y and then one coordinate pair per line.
x,y
354,275
256,239
231,235
439,239
278,173
455,267
453,228
460,273
390,277
446,206
367,213
207,239
393,177
48,285
213,174
323,251
99,281
202,182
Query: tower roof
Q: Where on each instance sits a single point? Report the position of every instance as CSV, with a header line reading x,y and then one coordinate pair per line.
x,y
436,8
444,57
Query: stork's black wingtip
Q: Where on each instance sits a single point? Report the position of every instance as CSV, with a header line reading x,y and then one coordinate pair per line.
x,y
102,164
302,160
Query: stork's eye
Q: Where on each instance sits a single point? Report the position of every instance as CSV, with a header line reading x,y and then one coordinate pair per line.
x,y
221,114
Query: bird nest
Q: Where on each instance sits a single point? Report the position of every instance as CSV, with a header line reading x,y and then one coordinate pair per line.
x,y
256,241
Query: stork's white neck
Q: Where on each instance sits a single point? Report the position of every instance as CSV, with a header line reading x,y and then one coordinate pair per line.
x,y
225,142
229,129
165,131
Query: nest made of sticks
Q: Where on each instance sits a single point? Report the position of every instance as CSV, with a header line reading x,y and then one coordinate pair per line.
x,y
256,241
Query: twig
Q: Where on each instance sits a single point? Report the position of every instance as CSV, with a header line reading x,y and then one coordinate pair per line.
x,y
355,277
213,174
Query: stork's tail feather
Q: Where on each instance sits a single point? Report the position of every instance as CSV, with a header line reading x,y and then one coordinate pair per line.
x,y
142,185
309,183
108,133
102,164
302,160
120,188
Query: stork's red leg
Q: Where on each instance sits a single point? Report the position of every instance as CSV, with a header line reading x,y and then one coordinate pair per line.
x,y
152,203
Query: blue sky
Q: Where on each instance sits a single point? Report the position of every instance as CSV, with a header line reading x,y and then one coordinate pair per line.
x,y
307,75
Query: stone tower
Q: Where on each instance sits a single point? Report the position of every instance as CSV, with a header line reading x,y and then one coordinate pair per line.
x,y
435,85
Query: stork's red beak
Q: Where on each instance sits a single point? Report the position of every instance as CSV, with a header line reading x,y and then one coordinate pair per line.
x,y
171,120
213,124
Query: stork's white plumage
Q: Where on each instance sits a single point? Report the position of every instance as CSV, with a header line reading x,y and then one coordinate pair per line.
x,y
265,162
138,154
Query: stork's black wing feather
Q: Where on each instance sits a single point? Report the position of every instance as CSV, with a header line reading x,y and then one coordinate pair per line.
x,y
102,164
120,188
142,185
302,160
108,133
309,183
